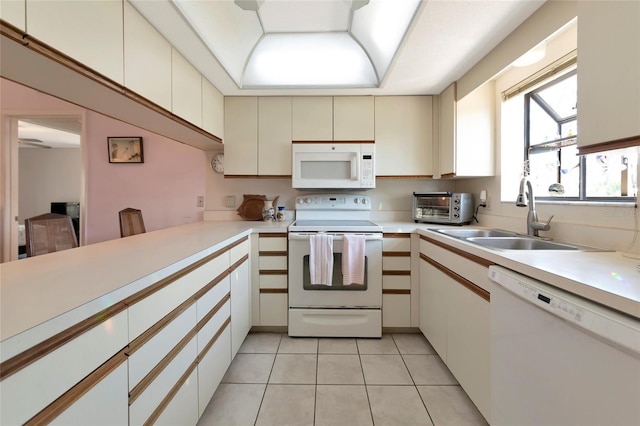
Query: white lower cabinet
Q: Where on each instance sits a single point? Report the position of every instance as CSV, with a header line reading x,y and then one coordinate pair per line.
x,y
240,306
211,368
274,309
105,404
183,407
454,317
396,280
272,279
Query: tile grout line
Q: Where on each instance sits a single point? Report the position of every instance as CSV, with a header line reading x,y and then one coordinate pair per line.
x,y
364,380
315,399
267,384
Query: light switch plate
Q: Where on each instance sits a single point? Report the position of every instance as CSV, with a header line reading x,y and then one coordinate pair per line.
x,y
230,201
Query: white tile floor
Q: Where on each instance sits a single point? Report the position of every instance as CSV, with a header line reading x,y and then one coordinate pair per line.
x,y
397,380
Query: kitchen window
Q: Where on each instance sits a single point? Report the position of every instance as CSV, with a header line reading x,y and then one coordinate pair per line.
x,y
550,152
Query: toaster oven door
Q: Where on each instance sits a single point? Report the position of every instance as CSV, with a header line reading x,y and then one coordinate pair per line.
x,y
432,207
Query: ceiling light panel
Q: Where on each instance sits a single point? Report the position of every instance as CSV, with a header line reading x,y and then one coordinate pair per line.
x,y
230,32
380,27
305,16
309,60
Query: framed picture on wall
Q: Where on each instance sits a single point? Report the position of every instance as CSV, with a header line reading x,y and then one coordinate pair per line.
x,y
125,149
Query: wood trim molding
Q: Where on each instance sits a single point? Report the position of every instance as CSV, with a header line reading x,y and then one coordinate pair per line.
x,y
274,291
272,235
333,142
31,355
213,312
404,177
395,291
461,280
214,339
273,272
447,175
238,262
609,145
472,257
396,235
396,254
67,399
170,395
393,272
272,253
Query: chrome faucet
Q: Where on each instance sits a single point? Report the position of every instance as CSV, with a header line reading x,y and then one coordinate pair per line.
x,y
533,226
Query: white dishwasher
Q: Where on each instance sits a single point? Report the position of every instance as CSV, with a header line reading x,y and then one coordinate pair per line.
x,y
558,359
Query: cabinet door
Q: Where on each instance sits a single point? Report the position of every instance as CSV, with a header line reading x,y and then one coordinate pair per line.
x,y
312,118
274,136
433,307
468,344
90,32
404,135
186,90
447,131
241,135
474,135
212,109
211,368
183,407
13,12
353,118
608,83
147,59
240,306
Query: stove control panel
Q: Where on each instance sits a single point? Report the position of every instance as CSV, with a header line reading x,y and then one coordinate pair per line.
x,y
333,202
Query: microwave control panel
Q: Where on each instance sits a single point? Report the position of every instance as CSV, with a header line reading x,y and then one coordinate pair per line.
x,y
367,179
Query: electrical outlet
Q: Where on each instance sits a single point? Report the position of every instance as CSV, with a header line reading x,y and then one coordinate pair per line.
x,y
230,201
200,202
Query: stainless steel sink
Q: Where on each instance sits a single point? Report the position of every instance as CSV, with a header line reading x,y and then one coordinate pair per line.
x,y
470,233
522,243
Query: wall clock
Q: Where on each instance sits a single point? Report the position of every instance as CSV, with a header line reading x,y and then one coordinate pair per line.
x,y
217,163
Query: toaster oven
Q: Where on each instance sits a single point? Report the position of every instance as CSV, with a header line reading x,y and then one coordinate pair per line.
x,y
453,208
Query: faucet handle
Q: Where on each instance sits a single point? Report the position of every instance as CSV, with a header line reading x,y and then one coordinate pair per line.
x,y
547,226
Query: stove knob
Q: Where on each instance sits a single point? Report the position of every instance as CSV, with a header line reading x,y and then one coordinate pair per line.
x,y
364,201
356,200
300,200
307,200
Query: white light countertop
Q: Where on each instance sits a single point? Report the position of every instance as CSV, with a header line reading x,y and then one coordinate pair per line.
x,y
94,277
608,278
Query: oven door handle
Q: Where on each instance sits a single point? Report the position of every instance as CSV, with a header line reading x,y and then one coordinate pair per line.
x,y
337,236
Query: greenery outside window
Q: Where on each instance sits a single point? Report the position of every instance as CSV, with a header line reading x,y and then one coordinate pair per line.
x,y
551,156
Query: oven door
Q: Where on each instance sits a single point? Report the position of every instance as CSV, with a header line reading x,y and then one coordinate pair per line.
x,y
303,294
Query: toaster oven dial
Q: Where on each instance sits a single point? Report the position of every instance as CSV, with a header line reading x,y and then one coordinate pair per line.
x,y
456,215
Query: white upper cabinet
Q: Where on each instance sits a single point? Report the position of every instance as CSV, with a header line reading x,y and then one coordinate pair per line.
x,y
608,71
404,135
312,118
186,90
353,118
90,32
466,129
212,109
147,59
241,135
274,136
13,12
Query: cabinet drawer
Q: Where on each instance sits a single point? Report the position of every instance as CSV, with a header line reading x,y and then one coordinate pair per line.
x,y
144,359
272,243
152,308
213,326
396,310
25,393
105,404
274,309
393,263
273,281
149,400
183,407
211,369
396,282
237,252
271,263
397,243
210,299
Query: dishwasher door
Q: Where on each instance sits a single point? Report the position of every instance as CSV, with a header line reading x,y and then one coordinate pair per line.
x,y
557,359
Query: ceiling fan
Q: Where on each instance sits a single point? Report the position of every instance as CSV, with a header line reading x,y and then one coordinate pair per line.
x,y
33,142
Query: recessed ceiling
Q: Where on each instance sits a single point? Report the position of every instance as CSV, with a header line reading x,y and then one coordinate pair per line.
x,y
445,39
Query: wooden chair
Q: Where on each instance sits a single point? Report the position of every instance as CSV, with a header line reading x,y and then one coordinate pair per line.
x,y
48,233
131,222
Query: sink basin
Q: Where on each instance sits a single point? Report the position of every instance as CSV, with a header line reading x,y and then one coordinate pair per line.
x,y
523,243
469,233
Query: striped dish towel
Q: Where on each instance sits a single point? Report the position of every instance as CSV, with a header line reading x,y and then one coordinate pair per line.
x,y
321,259
353,259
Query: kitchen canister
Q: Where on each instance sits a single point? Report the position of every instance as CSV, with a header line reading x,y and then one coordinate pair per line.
x,y
280,215
268,212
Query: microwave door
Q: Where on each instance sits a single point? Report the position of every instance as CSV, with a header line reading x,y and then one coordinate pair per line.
x,y
326,170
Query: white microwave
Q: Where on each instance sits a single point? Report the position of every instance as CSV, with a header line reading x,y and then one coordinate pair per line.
x,y
333,165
